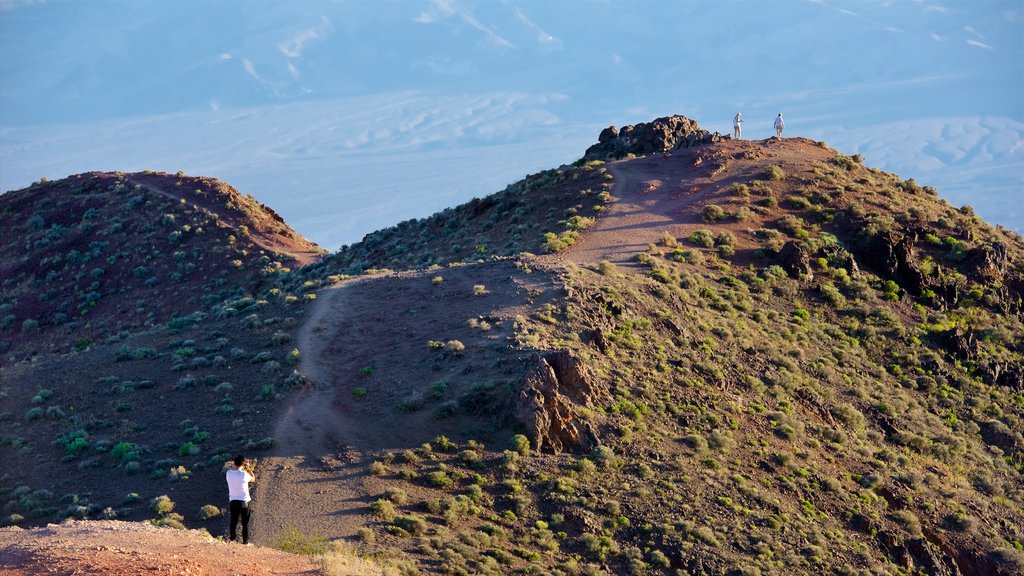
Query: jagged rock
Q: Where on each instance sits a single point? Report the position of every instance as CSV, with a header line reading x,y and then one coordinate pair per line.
x,y
660,135
547,406
844,258
609,133
930,559
795,260
987,263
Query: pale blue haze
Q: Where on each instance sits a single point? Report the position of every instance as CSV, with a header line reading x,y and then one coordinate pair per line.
x,y
350,116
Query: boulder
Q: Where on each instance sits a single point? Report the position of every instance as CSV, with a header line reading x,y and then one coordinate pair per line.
x,y
656,137
795,260
548,404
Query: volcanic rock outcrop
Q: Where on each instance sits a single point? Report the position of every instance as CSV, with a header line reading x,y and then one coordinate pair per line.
x,y
660,135
547,406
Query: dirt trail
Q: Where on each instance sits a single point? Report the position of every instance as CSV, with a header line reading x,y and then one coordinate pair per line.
x,y
652,195
310,448
364,349
316,477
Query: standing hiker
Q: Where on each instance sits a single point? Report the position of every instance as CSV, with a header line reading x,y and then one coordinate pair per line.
x,y
239,477
779,126
737,131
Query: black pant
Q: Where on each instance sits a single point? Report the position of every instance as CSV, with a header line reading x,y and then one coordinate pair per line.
x,y
240,509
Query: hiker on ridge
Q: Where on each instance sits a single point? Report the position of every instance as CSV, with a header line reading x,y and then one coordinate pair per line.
x,y
780,125
737,130
239,477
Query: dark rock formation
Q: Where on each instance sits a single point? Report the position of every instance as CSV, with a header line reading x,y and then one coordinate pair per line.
x,y
795,260
987,263
547,406
660,135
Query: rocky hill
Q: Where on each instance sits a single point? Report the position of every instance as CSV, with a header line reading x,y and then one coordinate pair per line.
x,y
96,255
710,357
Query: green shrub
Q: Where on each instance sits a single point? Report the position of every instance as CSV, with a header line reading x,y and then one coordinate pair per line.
x,y
162,504
606,268
774,173
384,509
702,237
712,213
412,523
520,444
209,511
293,541
396,495
603,456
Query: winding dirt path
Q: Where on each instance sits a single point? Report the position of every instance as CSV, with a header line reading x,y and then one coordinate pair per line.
x,y
310,444
652,196
316,477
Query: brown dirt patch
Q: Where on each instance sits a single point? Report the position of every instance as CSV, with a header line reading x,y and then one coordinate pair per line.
x,y
660,193
378,387
114,548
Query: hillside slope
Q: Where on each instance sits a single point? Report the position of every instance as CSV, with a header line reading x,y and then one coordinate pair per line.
x,y
729,357
786,361
92,255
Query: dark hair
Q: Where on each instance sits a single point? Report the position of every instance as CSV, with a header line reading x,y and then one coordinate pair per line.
x,y
239,460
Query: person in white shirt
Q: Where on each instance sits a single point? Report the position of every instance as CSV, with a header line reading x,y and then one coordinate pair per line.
x,y
737,131
239,477
779,126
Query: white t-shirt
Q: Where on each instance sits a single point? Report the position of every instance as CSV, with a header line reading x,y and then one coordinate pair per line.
x,y
778,122
736,121
238,485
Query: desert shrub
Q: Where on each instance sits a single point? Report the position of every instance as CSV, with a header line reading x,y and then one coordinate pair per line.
x,y
798,202
412,523
74,441
743,214
170,520
831,294
440,479
520,444
293,541
909,521
774,173
696,442
12,519
599,547
741,190
845,162
667,239
702,237
454,347
384,509
712,213
603,456
162,504
606,268
396,495
413,402
209,511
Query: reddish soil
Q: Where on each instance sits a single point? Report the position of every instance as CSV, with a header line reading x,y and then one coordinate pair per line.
x,y
269,230
371,334
660,193
317,478
364,348
113,548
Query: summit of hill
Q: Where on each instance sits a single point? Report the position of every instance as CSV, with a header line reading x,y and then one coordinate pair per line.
x,y
90,256
682,354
